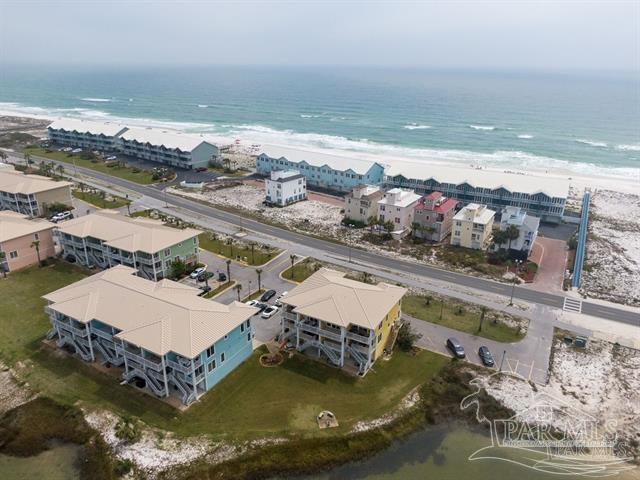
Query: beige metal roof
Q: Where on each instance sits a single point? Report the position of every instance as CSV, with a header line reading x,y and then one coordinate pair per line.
x,y
328,296
126,233
170,139
12,181
159,317
16,225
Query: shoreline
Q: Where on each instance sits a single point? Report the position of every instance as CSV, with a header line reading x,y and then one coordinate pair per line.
x,y
578,181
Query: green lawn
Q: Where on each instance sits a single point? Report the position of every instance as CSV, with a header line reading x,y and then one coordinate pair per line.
x,y
127,173
261,253
459,316
219,289
301,270
96,199
252,401
254,296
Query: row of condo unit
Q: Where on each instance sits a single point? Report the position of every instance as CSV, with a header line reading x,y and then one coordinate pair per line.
x,y
434,217
171,148
544,197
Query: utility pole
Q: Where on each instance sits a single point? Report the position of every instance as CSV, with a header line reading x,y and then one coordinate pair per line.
x,y
513,288
504,354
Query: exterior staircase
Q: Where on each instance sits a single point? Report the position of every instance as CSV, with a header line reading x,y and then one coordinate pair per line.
x,y
333,357
188,397
358,357
108,352
79,348
151,382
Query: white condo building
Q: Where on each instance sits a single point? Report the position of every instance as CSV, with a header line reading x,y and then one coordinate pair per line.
x,y
285,187
397,207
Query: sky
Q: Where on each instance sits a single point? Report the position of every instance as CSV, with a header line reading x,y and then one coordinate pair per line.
x,y
509,34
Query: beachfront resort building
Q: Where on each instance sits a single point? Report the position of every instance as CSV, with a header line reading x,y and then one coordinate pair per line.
x,y
24,241
472,227
544,197
322,170
433,217
165,337
526,226
346,322
87,134
397,206
104,239
31,194
285,187
169,148
361,204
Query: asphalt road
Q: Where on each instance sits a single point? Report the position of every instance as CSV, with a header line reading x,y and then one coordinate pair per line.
x,y
557,301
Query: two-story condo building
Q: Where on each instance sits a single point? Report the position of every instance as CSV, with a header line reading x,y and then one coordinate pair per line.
x,y
321,170
433,217
285,187
17,236
542,196
104,239
170,148
527,226
361,203
397,206
344,321
160,333
31,194
101,136
472,227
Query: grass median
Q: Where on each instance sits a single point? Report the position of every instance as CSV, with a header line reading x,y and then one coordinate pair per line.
x,y
100,201
132,174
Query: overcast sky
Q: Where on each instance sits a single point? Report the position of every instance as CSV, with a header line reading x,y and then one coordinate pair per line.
x,y
467,34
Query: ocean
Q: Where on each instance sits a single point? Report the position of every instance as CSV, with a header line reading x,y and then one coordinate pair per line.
x,y
586,123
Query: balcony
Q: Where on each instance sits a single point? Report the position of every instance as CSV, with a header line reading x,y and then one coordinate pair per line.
x,y
360,338
330,334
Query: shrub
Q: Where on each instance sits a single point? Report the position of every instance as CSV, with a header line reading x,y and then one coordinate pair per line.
x,y
123,467
128,430
407,337
178,268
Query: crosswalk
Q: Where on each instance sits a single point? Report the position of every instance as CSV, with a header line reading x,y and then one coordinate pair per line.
x,y
572,305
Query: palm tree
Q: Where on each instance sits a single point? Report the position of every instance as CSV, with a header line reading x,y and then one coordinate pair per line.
x,y
3,256
415,228
372,221
60,169
366,277
230,243
36,244
238,287
483,311
228,262
292,257
512,233
27,159
259,273
253,246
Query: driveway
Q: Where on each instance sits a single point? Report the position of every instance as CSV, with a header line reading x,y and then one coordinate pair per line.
x,y
551,257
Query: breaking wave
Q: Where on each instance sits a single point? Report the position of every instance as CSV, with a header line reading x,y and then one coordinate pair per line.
x,y
415,126
591,143
482,127
628,148
95,100
525,136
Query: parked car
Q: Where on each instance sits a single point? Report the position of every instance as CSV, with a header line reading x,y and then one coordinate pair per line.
x,y
111,158
261,305
456,347
278,301
485,356
222,277
196,273
204,276
251,303
269,312
60,216
268,295
76,150
201,169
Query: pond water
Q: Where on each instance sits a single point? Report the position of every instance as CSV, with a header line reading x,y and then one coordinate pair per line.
x,y
57,463
441,453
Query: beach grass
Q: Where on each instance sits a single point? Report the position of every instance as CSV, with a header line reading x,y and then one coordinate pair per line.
x,y
255,255
143,177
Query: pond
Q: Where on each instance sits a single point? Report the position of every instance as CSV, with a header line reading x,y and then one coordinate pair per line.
x,y
440,453
57,463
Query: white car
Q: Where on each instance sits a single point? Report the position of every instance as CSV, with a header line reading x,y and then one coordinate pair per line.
x,y
76,150
60,216
278,301
112,157
67,149
251,303
197,272
269,312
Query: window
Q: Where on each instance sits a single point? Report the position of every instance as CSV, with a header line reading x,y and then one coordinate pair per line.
x,y
226,337
211,350
13,254
211,366
222,357
199,370
195,240
248,323
35,235
397,220
167,263
248,337
242,327
167,252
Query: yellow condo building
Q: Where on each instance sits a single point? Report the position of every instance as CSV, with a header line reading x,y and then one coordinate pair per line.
x,y
344,321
